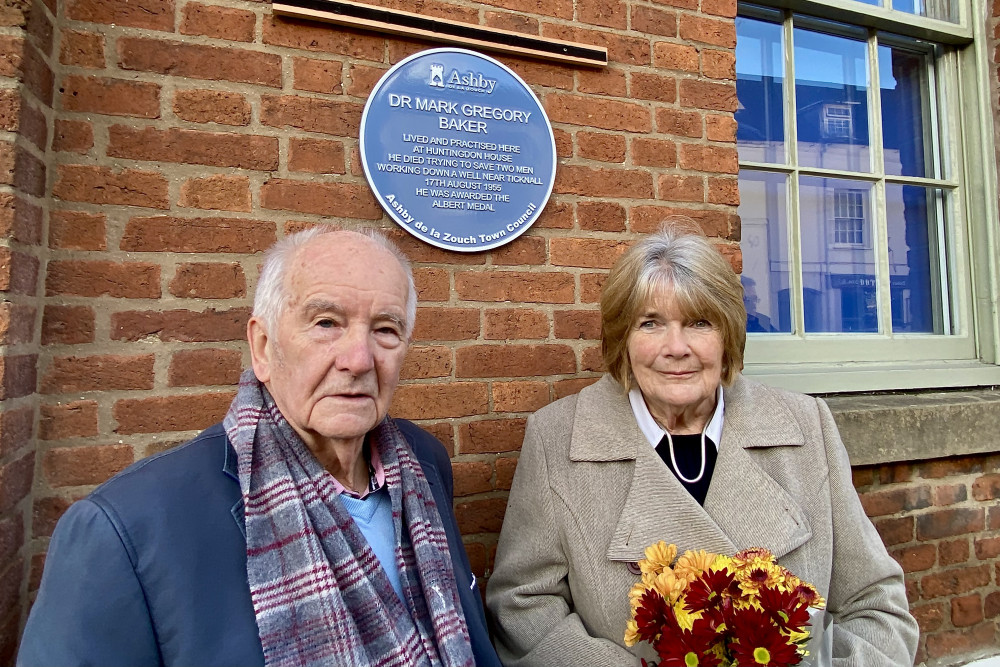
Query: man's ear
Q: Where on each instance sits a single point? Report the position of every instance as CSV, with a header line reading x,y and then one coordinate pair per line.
x,y
261,350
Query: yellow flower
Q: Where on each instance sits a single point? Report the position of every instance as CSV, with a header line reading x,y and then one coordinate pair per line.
x,y
693,563
631,633
685,618
756,574
658,558
669,586
638,589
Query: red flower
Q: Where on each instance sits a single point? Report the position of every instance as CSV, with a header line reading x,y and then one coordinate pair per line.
x,y
707,591
759,643
786,609
653,616
682,648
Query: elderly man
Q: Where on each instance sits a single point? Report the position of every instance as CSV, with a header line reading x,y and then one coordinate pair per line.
x,y
308,528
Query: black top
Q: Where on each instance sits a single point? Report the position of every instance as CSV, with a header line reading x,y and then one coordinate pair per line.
x,y
687,451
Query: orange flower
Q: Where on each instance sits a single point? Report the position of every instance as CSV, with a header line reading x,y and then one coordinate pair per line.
x,y
658,558
693,563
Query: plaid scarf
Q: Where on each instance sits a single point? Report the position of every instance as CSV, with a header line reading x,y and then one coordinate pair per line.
x,y
319,593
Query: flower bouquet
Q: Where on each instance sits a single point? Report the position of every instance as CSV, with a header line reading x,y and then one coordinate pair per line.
x,y
708,610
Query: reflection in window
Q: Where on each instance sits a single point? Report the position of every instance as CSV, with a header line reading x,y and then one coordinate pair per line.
x,y
905,93
760,79
849,217
764,243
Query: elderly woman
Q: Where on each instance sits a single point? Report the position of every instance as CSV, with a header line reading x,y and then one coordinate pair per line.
x,y
674,444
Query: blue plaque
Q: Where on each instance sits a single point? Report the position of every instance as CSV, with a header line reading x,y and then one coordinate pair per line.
x,y
458,150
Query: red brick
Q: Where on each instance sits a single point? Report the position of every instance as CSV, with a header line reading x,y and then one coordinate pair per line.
x,y
181,325
186,412
152,15
600,182
37,75
318,76
892,501
720,128
317,156
958,465
209,280
605,114
114,97
10,109
578,324
708,158
707,95
654,21
591,359
484,361
34,126
505,471
994,519
218,192
519,395
678,57
199,62
524,250
601,216
435,323
76,466
124,280
472,477
194,368
18,272
68,325
432,284
715,224
81,49
986,487
7,162
72,136
29,173
654,152
515,324
724,8
679,123
601,146
491,435
440,401
361,79
170,234
17,323
961,642
655,87
221,22
15,481
987,548
895,531
587,253
916,558
518,286
17,375
77,419
313,36
717,32
723,191
334,117
947,523
102,185
480,516
418,251
955,582
590,287
555,215
348,200
11,55
19,220
953,552
515,22
45,513
11,537
718,64
992,605
427,361
104,372
602,82
609,13
16,429
564,143
76,230
212,106
929,616
193,147
672,187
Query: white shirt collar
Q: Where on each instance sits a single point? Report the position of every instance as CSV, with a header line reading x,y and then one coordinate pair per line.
x,y
654,433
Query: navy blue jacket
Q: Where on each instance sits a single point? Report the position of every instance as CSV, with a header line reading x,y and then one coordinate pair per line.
x,y
150,568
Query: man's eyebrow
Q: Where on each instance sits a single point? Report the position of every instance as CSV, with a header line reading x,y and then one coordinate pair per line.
x,y
319,305
392,317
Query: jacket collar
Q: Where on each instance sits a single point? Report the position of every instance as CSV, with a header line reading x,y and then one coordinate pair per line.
x,y
745,506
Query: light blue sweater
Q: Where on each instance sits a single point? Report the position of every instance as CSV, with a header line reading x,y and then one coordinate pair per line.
x,y
373,515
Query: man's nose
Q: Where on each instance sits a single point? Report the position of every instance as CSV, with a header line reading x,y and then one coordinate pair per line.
x,y
356,353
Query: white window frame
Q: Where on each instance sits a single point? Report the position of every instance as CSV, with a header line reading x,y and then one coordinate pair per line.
x,y
968,357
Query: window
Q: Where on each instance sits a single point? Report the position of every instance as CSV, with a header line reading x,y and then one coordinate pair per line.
x,y
858,144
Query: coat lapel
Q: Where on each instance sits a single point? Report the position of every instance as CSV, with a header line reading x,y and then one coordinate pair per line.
x,y
745,507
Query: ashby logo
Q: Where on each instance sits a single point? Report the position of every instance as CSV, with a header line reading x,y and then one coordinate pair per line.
x,y
473,81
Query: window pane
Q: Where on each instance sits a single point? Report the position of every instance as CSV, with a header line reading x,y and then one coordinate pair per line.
x,y
945,10
913,214
760,76
764,242
831,100
906,123
839,289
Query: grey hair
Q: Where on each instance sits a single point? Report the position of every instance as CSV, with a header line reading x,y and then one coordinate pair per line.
x,y
271,297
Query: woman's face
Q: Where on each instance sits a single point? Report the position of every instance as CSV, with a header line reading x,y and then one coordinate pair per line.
x,y
677,363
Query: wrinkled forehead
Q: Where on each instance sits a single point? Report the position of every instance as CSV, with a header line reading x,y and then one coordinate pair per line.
x,y
344,259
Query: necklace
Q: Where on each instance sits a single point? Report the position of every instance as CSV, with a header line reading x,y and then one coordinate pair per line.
x,y
673,459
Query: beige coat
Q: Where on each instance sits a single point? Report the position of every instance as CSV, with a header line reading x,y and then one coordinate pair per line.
x,y
590,494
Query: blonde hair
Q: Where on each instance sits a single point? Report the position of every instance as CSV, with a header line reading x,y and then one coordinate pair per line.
x,y
678,258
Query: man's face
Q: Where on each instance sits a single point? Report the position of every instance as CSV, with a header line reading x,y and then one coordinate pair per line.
x,y
333,362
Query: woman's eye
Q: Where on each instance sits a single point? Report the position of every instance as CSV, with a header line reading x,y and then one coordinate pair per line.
x,y
702,324
647,324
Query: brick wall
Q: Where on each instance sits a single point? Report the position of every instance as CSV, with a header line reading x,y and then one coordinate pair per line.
x,y
184,137
940,519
